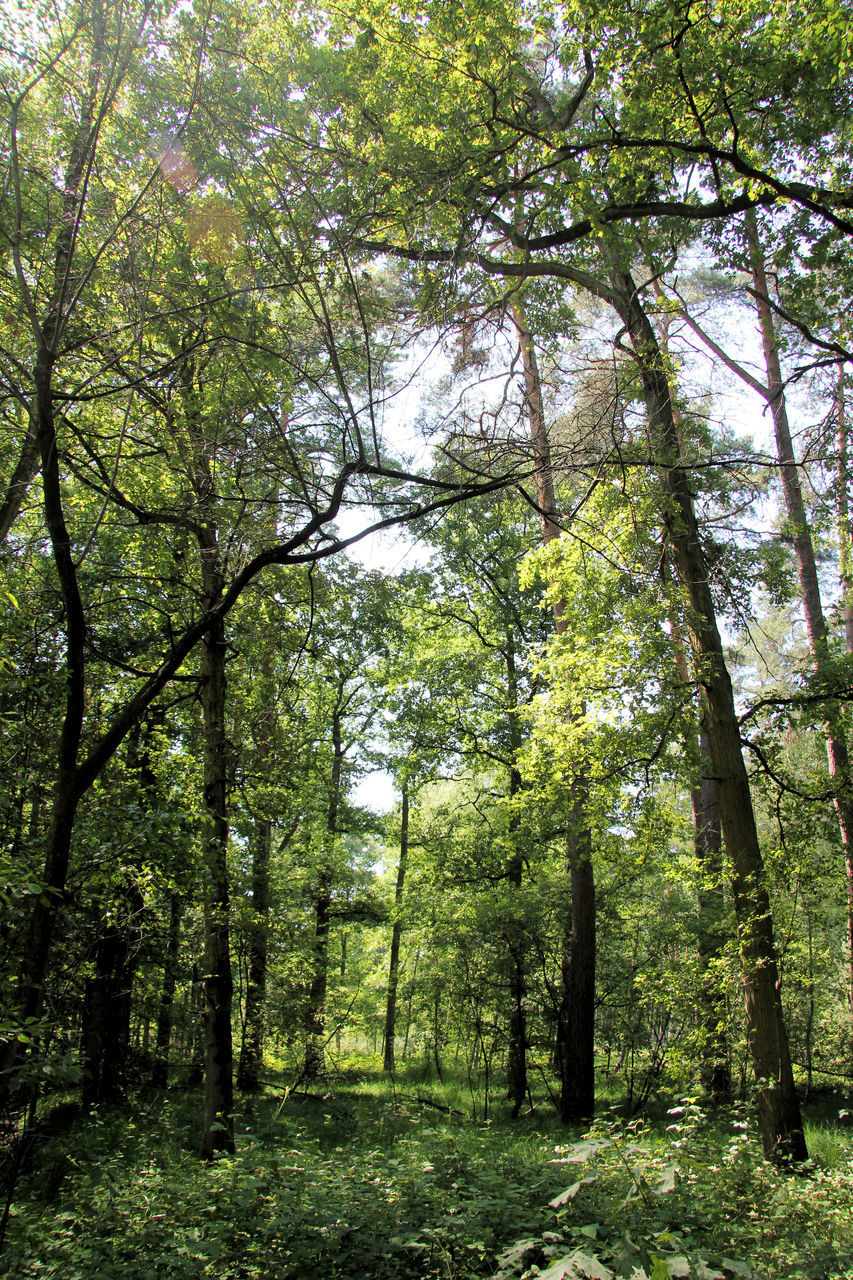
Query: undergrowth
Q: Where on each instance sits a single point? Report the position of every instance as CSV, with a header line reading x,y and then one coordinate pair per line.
x,y
366,1182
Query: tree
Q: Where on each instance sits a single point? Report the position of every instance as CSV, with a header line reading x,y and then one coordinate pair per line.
x,y
107,497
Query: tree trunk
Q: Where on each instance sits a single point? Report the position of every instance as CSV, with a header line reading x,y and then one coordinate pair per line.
x,y
715,1068
46,903
389,1063
218,1132
575,1046
315,1050
845,558
845,572
778,1107
107,1005
515,928
836,739
252,1048
160,1069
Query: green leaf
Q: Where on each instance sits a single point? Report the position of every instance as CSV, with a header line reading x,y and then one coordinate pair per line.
x,y
570,1192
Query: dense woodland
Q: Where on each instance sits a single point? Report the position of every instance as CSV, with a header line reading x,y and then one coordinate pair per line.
x,y
454,398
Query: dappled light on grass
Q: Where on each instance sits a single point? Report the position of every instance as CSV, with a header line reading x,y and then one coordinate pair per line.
x,y
369,1181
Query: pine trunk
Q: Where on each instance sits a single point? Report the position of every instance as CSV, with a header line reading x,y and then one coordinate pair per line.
x,y
780,1121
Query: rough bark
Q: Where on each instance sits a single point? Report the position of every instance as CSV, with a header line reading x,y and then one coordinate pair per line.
x,y
715,1065
778,1107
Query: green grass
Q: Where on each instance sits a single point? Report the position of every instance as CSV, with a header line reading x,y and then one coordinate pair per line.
x,y
365,1181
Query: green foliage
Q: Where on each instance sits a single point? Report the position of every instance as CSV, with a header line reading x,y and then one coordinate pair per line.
x,y
366,1181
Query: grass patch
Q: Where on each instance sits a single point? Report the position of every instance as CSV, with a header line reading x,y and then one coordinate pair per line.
x,y
369,1181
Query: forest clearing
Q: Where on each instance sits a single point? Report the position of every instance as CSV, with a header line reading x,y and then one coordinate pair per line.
x,y
392,1183
426,639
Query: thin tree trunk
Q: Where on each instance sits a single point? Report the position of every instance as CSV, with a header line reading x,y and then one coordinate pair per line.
x,y
389,1063
845,569
218,1131
315,1051
195,1074
816,630
845,551
715,1069
67,791
25,470
69,786
107,1004
162,1042
515,930
252,1048
575,1048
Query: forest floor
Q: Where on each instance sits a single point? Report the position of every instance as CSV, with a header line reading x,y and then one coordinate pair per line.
x,y
366,1181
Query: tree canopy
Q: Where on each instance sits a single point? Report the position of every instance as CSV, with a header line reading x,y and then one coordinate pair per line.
x,y
281,283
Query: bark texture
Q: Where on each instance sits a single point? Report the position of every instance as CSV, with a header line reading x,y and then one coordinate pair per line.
x,y
780,1121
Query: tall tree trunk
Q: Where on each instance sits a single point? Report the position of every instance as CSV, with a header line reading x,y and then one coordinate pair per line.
x,y
576,1011
218,1131
252,1048
715,1068
575,1047
816,630
389,1062
845,573
845,549
46,903
778,1107
107,1004
515,932
315,1050
163,1038
41,439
